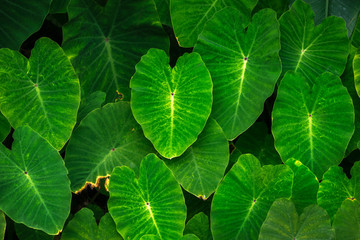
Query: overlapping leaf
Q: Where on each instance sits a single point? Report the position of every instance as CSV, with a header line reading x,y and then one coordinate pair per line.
x,y
42,92
19,19
34,187
200,169
4,127
347,220
83,227
171,105
244,197
25,233
312,50
336,187
152,204
308,124
199,225
305,185
189,16
244,65
356,67
284,223
106,138
105,43
2,225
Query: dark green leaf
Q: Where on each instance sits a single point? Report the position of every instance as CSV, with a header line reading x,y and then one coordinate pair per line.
x,y
34,187
105,43
25,233
4,127
106,138
347,220
199,225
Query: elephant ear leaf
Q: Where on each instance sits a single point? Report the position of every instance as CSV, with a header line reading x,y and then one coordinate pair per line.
x,y
244,64
247,192
283,222
145,205
172,105
34,176
19,19
336,187
83,227
306,110
42,92
347,220
105,42
309,49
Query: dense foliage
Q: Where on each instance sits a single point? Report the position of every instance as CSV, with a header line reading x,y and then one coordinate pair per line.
x,y
179,119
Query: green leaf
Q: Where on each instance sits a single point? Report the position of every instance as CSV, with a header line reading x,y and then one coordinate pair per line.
x,y
257,141
19,19
189,16
348,81
200,169
336,187
4,127
2,225
170,106
244,197
356,67
150,237
34,177
42,92
355,37
59,6
190,237
106,138
346,9
347,220
199,225
25,233
95,100
312,50
283,223
83,227
244,65
163,9
152,204
105,43
308,124
305,185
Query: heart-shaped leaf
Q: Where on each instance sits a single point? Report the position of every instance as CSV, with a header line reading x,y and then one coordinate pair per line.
x,y
244,197
305,185
105,42
347,220
347,9
284,223
200,169
171,104
83,227
152,204
189,16
42,92
107,137
244,65
336,187
34,176
308,124
199,225
19,19
312,50
257,141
